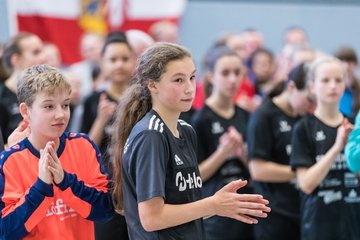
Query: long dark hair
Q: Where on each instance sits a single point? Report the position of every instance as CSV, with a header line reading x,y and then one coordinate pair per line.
x,y
136,102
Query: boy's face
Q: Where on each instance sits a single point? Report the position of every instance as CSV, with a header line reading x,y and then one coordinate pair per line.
x,y
49,115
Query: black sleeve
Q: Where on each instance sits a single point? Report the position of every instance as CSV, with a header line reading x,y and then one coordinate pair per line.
x,y
301,153
150,155
1,142
4,120
90,112
259,136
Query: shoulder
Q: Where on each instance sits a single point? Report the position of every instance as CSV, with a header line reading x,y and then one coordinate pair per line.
x,y
81,140
13,153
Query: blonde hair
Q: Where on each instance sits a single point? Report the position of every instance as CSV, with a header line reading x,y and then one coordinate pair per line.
x,y
40,78
314,65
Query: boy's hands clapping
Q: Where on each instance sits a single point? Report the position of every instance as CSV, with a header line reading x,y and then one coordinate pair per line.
x,y
50,168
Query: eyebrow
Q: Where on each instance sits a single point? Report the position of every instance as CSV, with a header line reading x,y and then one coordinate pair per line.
x,y
182,74
49,100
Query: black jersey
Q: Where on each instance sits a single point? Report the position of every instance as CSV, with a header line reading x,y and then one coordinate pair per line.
x,y
209,127
269,139
10,116
1,142
89,116
157,164
332,210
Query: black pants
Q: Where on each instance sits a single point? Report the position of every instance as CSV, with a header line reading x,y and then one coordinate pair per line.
x,y
115,229
277,227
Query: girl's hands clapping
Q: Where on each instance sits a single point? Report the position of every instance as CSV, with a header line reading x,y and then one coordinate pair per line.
x,y
242,207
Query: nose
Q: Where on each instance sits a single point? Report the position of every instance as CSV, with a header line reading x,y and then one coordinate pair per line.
x,y
190,86
59,112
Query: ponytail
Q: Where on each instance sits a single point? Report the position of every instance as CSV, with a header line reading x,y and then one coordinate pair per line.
x,y
133,106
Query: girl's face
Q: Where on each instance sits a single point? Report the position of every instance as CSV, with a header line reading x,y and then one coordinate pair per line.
x,y
175,90
302,101
227,76
48,116
118,62
31,52
329,82
262,67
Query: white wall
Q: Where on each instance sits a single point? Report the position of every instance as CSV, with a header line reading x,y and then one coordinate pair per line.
x,y
328,26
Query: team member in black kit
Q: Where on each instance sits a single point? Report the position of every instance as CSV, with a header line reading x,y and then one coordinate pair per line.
x,y
330,200
269,147
156,176
117,66
220,126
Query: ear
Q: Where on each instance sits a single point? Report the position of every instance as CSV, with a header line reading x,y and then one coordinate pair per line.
x,y
209,76
152,87
290,85
311,87
24,111
15,60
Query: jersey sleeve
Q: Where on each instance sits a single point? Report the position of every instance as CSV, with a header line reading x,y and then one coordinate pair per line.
x,y
301,155
21,209
259,136
149,159
352,148
89,197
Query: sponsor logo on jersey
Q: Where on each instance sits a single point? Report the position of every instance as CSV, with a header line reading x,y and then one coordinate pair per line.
x,y
178,160
320,136
330,196
284,126
216,128
189,181
59,208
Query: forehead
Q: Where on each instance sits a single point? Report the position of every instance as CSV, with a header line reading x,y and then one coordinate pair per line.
x,y
30,43
58,95
117,48
228,60
185,64
330,68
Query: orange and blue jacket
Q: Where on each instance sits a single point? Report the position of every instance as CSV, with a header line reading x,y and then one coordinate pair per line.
x,y
32,209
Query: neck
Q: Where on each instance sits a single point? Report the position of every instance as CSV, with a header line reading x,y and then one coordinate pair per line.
x,y
329,114
10,83
220,101
39,144
221,105
170,119
117,89
283,102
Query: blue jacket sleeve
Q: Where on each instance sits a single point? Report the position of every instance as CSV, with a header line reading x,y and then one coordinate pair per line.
x,y
352,148
13,219
100,200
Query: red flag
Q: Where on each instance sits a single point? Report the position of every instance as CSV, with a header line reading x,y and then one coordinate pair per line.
x,y
63,22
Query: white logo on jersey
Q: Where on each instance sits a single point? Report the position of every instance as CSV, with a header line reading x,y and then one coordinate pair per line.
x,y
178,160
320,135
58,207
284,126
189,182
156,124
330,196
126,146
217,128
288,149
